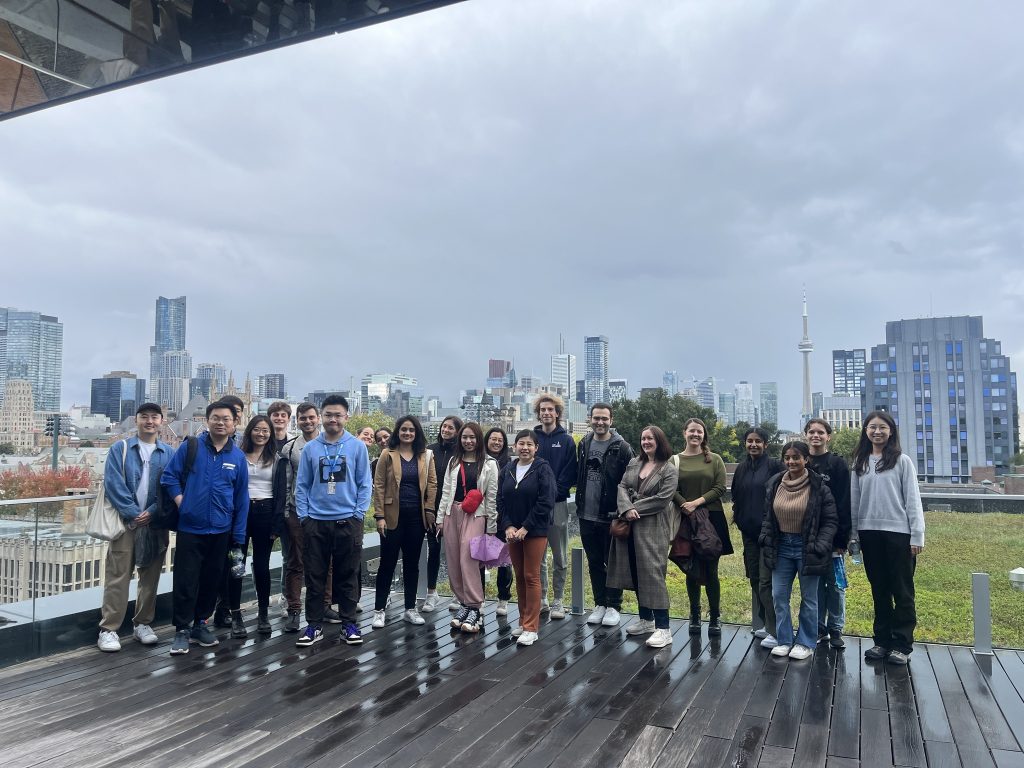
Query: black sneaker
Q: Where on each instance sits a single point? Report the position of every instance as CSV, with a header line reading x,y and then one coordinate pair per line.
x,y
876,653
473,621
180,645
352,636
835,639
313,634
292,624
331,616
221,619
460,616
201,634
238,629
823,635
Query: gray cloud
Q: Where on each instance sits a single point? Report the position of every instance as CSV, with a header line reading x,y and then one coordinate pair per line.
x,y
473,181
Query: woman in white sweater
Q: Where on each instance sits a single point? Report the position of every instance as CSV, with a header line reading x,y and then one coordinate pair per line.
x,y
470,471
888,521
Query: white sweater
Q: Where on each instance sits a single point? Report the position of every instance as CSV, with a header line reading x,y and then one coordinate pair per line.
x,y
486,483
888,501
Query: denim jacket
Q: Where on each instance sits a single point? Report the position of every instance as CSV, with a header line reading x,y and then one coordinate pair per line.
x,y
120,482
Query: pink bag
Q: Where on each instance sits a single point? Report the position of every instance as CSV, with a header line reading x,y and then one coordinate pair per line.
x,y
489,550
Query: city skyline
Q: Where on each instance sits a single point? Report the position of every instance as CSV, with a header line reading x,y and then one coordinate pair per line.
x,y
734,154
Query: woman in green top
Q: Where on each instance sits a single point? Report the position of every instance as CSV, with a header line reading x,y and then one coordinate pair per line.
x,y
702,483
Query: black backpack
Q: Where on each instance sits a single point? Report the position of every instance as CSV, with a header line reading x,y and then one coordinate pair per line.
x,y
167,513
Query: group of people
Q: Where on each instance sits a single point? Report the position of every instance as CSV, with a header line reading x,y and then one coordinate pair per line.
x,y
223,492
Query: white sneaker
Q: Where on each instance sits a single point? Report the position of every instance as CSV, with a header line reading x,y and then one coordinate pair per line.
x,y
640,627
145,635
557,611
502,609
611,618
413,617
761,633
769,641
597,615
799,652
780,650
517,632
108,642
659,639
430,603
527,638
378,620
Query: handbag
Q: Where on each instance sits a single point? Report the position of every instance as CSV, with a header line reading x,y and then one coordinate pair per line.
x,y
471,501
105,522
489,551
620,528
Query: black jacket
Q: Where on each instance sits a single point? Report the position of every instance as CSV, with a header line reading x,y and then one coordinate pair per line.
x,y
836,474
613,467
748,484
819,527
528,504
443,452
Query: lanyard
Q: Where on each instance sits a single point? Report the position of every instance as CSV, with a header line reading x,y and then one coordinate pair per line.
x,y
333,460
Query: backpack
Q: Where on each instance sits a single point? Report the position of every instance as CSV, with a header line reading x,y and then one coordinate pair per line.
x,y
167,512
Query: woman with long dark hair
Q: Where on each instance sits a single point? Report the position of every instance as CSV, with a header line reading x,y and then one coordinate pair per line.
x,y
800,521
404,489
888,521
472,476
496,442
748,510
702,484
528,489
259,449
443,450
640,562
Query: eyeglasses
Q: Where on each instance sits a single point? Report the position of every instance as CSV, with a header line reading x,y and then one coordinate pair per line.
x,y
260,432
221,419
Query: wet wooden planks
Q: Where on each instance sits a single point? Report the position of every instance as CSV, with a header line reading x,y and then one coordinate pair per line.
x,y
427,697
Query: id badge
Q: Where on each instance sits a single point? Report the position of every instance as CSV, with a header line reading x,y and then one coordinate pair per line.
x,y
331,485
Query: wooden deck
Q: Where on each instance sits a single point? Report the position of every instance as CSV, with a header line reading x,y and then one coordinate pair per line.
x,y
582,696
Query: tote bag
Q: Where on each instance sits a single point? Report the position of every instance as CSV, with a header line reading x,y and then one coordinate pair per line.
x,y
105,522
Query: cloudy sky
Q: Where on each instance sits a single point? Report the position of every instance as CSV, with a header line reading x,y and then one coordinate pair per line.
x,y
474,181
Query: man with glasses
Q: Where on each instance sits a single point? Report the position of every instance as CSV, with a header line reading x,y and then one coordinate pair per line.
x,y
602,457
332,494
131,482
213,508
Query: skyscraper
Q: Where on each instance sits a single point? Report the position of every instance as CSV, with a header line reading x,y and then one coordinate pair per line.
x,y
563,373
952,393
271,386
376,388
848,371
744,402
117,395
707,393
169,336
769,401
595,368
618,390
32,349
670,382
216,371
727,407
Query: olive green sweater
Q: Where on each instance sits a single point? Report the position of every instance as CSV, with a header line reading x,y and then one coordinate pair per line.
x,y
697,478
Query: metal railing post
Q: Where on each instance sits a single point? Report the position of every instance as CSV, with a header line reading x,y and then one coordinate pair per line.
x,y
421,584
982,614
576,574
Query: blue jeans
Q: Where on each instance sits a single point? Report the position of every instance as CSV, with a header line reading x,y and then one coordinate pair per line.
x,y
658,615
790,556
831,603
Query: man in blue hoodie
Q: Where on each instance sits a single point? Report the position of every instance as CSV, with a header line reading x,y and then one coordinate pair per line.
x,y
556,446
213,509
332,494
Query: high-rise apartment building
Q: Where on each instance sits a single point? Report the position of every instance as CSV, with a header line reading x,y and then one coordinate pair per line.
x,y
216,371
744,402
727,407
618,390
169,336
848,367
563,374
117,395
595,368
32,350
670,382
17,422
769,402
952,393
271,386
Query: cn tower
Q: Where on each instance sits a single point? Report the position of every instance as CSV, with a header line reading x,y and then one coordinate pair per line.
x,y
806,346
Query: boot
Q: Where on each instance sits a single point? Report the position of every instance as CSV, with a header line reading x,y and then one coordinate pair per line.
x,y
263,622
695,621
292,625
714,626
238,625
221,617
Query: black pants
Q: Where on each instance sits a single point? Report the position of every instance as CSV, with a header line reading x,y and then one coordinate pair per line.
x,y
200,561
505,579
324,541
259,528
433,560
597,542
760,577
405,540
889,565
711,585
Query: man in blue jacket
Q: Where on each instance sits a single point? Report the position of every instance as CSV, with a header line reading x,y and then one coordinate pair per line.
x,y
131,482
332,494
556,446
213,506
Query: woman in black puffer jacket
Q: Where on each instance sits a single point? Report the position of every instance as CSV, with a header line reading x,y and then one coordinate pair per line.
x,y
796,540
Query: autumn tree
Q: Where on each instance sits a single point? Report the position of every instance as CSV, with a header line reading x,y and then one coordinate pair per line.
x,y
25,483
